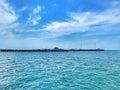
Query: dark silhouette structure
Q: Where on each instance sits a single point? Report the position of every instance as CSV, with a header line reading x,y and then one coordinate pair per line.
x,y
56,49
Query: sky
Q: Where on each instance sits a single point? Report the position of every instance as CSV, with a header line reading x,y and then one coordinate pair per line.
x,y
35,24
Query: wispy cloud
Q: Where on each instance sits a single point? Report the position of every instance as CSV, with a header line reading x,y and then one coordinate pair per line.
x,y
35,17
37,10
7,14
8,18
23,9
82,22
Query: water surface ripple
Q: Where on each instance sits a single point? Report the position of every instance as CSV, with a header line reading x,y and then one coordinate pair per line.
x,y
60,70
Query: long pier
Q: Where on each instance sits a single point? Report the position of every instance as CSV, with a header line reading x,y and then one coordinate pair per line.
x,y
48,50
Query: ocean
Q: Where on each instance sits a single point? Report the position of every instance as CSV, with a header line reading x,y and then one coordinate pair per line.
x,y
95,70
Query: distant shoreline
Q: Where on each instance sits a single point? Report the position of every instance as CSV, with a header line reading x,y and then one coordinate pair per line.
x,y
48,50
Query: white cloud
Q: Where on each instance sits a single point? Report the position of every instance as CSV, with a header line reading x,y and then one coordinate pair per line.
x,y
7,18
11,30
34,18
81,22
7,14
36,10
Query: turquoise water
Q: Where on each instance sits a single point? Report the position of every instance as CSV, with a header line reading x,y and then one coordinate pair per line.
x,y
60,70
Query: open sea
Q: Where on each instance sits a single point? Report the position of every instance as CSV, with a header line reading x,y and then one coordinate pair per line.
x,y
60,70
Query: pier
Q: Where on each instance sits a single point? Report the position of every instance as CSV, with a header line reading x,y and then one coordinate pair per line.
x,y
48,50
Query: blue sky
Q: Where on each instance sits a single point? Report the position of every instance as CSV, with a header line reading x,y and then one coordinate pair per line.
x,y
27,24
